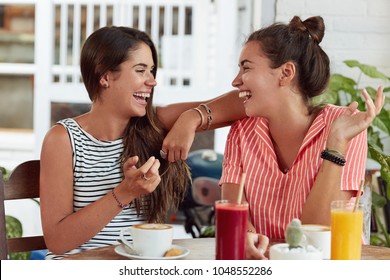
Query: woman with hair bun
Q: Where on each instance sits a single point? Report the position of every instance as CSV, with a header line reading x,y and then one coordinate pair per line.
x,y
297,157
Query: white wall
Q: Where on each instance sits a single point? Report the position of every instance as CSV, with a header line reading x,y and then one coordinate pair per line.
x,y
355,29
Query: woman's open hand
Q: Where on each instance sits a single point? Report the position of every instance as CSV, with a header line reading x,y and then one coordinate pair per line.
x,y
352,122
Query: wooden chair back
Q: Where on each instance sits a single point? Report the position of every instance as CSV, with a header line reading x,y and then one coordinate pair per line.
x,y
23,183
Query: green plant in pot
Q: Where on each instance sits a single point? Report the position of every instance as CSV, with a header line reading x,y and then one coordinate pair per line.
x,y
342,91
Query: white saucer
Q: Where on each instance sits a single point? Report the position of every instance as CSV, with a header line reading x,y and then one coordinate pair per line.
x,y
123,251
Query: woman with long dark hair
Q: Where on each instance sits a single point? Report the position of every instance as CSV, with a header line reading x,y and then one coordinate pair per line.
x,y
108,168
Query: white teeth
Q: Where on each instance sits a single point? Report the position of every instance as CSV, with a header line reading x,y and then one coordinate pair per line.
x,y
244,94
143,95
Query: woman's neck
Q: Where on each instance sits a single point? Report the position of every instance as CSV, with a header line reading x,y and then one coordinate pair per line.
x,y
287,134
103,125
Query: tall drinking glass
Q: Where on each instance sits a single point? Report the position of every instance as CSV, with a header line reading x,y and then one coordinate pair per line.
x,y
346,230
231,225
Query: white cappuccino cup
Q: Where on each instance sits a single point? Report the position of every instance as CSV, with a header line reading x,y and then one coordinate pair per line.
x,y
149,240
319,236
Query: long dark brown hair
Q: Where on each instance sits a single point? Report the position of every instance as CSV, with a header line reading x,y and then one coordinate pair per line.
x,y
143,137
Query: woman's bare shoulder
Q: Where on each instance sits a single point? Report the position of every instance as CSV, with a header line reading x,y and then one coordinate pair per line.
x,y
56,139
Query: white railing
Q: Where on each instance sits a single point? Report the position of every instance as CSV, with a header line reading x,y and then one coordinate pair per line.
x,y
77,19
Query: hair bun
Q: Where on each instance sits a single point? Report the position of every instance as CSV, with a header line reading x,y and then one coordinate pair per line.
x,y
314,26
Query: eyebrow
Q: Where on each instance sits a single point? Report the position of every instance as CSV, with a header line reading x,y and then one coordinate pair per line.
x,y
243,62
143,65
140,64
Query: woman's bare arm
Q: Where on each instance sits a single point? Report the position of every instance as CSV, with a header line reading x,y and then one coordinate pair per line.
x,y
63,228
327,184
183,121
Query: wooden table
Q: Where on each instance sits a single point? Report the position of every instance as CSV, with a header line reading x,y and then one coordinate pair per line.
x,y
204,249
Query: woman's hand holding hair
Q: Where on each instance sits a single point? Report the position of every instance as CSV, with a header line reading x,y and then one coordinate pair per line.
x,y
178,141
353,122
184,119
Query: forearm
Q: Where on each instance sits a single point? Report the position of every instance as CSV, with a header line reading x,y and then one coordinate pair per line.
x,y
328,185
347,133
78,227
225,108
183,121
326,188
66,229
169,114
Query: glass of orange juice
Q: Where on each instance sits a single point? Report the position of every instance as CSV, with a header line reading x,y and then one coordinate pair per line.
x,y
346,230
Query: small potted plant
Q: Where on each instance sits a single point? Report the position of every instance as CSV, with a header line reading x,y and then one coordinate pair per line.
x,y
296,247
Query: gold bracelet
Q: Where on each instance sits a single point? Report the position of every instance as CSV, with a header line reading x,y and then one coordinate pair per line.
x,y
207,108
201,116
209,117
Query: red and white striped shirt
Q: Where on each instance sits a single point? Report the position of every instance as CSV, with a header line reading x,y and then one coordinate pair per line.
x,y
274,197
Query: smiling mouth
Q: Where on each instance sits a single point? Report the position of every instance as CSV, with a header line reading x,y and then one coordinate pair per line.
x,y
245,94
141,96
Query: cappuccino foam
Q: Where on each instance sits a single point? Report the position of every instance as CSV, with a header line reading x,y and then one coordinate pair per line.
x,y
153,226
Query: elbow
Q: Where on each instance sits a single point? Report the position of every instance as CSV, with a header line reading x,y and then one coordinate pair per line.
x,y
55,247
56,244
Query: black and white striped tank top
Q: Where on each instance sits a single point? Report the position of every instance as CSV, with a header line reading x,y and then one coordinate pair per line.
x,y
97,170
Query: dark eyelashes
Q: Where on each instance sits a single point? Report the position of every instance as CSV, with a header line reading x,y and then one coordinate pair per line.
x,y
143,71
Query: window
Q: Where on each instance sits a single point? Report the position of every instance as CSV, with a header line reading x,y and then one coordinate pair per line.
x,y
17,33
16,46
16,106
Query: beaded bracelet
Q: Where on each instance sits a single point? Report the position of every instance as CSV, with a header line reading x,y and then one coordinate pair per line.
x,y
209,117
201,116
333,156
251,231
120,204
